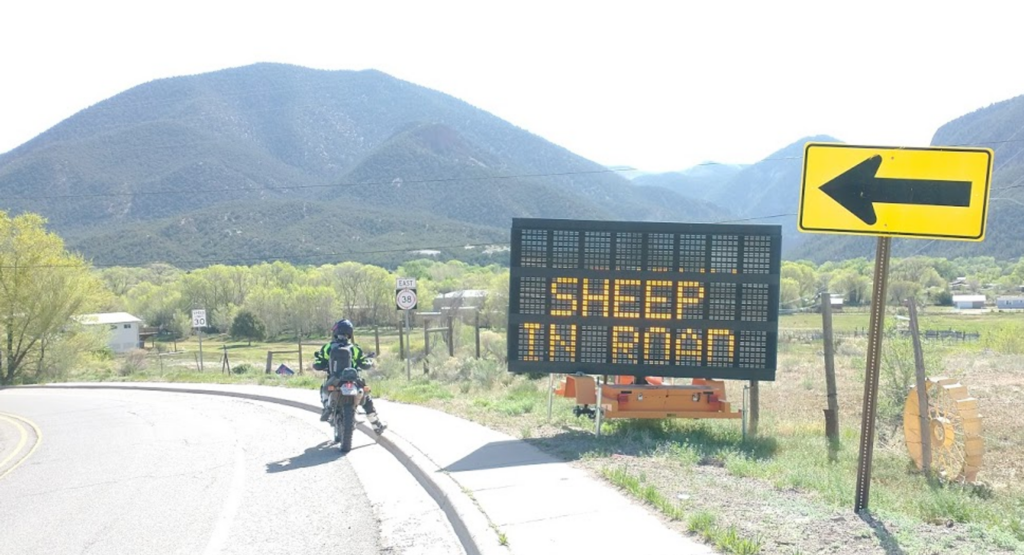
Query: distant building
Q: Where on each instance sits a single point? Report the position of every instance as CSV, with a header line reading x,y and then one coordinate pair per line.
x,y
473,298
969,301
1010,303
837,302
124,329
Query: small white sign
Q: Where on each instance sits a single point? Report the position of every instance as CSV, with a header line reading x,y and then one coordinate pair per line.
x,y
405,299
405,283
199,318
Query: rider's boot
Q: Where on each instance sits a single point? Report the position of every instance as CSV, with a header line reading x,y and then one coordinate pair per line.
x,y
325,415
378,426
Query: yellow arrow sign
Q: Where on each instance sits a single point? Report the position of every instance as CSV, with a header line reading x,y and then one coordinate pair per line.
x,y
938,193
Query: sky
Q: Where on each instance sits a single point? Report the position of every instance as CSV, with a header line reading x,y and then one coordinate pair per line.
x,y
655,86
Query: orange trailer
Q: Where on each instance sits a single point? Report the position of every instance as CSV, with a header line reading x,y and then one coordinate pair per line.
x,y
704,398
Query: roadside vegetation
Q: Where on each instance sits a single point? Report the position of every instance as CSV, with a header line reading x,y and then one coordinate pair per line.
x,y
785,491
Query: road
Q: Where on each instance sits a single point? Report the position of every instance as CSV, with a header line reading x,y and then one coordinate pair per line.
x,y
113,472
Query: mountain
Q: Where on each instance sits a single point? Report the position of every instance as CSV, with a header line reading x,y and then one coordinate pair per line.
x,y
999,127
697,182
269,160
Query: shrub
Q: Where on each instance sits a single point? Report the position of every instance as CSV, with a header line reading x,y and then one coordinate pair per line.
x,y
244,369
133,362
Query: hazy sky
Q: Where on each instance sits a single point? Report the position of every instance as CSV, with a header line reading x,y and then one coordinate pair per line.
x,y
653,85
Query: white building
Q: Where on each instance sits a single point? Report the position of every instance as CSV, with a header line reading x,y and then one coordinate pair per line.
x,y
969,301
465,298
124,329
1010,302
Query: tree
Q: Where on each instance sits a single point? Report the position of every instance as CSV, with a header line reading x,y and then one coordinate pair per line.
x,y
248,326
41,287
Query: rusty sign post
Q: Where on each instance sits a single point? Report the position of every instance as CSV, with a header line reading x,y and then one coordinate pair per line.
x,y
867,427
932,193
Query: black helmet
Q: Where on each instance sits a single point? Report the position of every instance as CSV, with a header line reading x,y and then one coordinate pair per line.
x,y
343,328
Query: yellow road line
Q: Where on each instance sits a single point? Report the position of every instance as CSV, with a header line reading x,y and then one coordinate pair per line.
x,y
18,421
21,441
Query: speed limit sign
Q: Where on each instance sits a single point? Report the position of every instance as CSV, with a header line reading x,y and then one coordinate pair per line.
x,y
199,318
405,299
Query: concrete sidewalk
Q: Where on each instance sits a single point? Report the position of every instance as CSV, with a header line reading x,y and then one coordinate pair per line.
x,y
497,485
541,504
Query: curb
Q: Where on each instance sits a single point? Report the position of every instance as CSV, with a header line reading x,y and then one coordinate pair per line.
x,y
470,524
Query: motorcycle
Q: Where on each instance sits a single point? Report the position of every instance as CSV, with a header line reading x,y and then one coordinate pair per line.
x,y
345,392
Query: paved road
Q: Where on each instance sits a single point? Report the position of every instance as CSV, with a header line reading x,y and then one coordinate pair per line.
x,y
147,472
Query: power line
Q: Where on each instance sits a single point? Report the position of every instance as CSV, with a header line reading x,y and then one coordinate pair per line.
x,y
399,181
396,182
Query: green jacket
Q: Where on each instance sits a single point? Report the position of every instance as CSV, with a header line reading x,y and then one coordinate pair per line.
x,y
322,357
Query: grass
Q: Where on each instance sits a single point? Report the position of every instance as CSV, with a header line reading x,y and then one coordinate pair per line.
x,y
702,523
647,493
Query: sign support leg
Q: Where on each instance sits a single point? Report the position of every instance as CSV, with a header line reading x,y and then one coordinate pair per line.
x,y
408,348
551,393
867,431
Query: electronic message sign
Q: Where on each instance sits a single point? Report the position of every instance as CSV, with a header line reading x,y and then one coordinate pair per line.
x,y
644,299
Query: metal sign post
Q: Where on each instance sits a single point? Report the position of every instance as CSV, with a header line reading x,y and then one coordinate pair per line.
x,y
931,193
867,428
199,322
406,300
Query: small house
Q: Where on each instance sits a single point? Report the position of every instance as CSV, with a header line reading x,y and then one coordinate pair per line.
x,y
969,301
836,302
1010,303
124,329
465,298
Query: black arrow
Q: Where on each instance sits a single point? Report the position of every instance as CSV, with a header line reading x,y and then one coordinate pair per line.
x,y
857,189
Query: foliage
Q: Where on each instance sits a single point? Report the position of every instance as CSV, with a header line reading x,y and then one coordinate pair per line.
x,y
41,287
897,373
248,326
1007,339
244,369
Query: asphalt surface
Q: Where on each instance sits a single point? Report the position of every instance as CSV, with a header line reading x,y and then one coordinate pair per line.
x,y
150,472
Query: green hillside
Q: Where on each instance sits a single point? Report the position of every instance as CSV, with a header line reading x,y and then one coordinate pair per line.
x,y
259,162
181,168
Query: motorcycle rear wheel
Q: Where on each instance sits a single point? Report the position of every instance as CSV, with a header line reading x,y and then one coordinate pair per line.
x,y
348,424
337,423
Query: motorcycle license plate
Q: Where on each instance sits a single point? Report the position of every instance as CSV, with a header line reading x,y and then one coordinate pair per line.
x,y
348,389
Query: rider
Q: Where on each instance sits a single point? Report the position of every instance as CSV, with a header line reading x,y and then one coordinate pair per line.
x,y
341,335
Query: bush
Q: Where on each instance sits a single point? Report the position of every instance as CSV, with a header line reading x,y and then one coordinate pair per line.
x,y
244,369
1008,339
133,362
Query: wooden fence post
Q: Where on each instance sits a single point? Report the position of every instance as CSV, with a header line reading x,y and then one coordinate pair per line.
x,y
451,336
832,412
426,339
922,392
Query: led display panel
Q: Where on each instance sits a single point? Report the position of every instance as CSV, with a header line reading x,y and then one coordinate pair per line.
x,y
644,299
